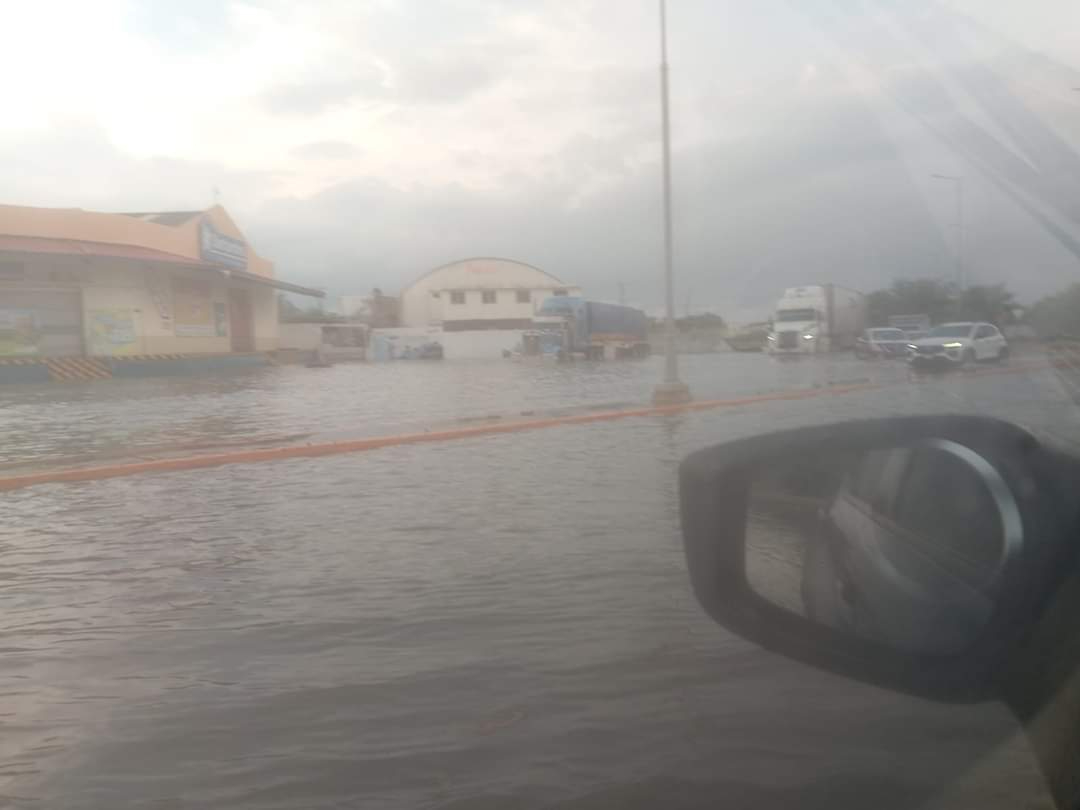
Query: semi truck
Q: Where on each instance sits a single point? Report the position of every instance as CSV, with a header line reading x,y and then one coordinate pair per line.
x,y
817,318
568,325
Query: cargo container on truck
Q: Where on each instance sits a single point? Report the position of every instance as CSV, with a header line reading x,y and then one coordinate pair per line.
x,y
568,325
817,318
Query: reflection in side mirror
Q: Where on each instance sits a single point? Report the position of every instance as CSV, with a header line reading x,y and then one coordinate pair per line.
x,y
903,545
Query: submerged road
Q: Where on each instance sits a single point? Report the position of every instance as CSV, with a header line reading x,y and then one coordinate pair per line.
x,y
502,621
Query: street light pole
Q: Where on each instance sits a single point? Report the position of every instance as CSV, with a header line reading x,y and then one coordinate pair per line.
x,y
959,181
671,391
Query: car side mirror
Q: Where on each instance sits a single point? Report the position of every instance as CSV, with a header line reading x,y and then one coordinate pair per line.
x,y
912,553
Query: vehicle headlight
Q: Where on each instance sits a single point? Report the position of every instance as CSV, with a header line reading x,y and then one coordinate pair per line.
x,y
771,337
912,346
954,345
808,336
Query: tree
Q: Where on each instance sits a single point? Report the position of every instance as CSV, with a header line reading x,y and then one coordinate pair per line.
x,y
1057,314
942,302
987,302
922,296
704,321
288,312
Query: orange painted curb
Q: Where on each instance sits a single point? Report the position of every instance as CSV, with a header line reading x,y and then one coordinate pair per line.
x,y
378,442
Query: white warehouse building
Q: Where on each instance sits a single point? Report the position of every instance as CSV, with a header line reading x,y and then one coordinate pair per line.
x,y
481,293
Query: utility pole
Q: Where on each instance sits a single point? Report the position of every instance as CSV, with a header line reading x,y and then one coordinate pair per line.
x,y
959,185
672,391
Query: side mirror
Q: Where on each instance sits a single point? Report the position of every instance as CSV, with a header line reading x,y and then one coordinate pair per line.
x,y
912,553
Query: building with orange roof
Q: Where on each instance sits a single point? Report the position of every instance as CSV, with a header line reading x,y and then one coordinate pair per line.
x,y
93,285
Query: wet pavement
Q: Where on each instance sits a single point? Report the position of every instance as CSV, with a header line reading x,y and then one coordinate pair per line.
x,y
497,622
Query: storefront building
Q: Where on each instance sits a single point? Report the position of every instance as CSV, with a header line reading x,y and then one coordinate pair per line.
x,y
98,286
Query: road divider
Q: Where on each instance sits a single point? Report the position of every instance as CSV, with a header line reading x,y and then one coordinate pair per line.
x,y
492,427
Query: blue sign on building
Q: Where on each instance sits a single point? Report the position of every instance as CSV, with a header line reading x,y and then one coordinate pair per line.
x,y
217,248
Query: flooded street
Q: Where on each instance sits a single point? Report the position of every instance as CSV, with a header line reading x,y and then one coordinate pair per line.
x,y
500,622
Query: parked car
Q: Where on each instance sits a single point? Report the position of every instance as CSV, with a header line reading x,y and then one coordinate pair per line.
x,y
957,344
883,342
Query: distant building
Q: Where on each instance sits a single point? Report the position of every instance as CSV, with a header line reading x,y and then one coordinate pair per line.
x,y
481,293
80,284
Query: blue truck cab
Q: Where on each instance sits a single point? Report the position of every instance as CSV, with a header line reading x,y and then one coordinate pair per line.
x,y
596,330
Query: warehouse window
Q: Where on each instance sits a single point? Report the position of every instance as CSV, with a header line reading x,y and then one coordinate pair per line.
x,y
489,296
457,296
523,296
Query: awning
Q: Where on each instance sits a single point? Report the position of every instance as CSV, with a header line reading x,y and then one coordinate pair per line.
x,y
75,247
243,275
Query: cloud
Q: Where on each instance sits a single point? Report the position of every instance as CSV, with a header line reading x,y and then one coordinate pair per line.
x,y
444,79
326,150
319,95
76,165
531,129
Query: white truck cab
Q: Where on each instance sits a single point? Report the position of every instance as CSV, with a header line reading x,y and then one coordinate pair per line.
x,y
818,318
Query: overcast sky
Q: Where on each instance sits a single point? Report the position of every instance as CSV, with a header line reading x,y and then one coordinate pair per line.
x,y
361,142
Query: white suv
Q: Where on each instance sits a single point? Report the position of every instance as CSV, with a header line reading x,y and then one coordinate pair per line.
x,y
957,344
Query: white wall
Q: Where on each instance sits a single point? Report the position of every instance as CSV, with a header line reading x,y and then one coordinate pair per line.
x,y
506,305
304,336
479,344
419,307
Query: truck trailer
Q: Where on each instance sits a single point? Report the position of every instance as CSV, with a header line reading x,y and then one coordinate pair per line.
x,y
567,326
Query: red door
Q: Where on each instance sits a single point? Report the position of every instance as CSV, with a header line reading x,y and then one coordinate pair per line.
x,y
241,325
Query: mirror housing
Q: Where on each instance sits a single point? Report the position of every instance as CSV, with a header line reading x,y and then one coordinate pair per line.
x,y
714,489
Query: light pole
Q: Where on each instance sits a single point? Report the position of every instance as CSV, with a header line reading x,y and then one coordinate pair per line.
x,y
959,181
672,391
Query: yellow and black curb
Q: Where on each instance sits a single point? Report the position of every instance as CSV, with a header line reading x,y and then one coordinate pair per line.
x,y
74,369
86,369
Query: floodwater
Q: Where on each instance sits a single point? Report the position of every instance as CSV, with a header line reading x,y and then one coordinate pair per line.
x,y
502,622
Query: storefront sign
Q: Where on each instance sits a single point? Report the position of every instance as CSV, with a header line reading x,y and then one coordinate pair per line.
x,y
192,308
112,331
19,332
217,248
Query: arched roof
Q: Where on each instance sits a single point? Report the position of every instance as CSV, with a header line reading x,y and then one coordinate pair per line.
x,y
498,259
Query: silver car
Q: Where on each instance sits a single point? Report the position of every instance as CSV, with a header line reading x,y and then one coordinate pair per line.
x,y
882,342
